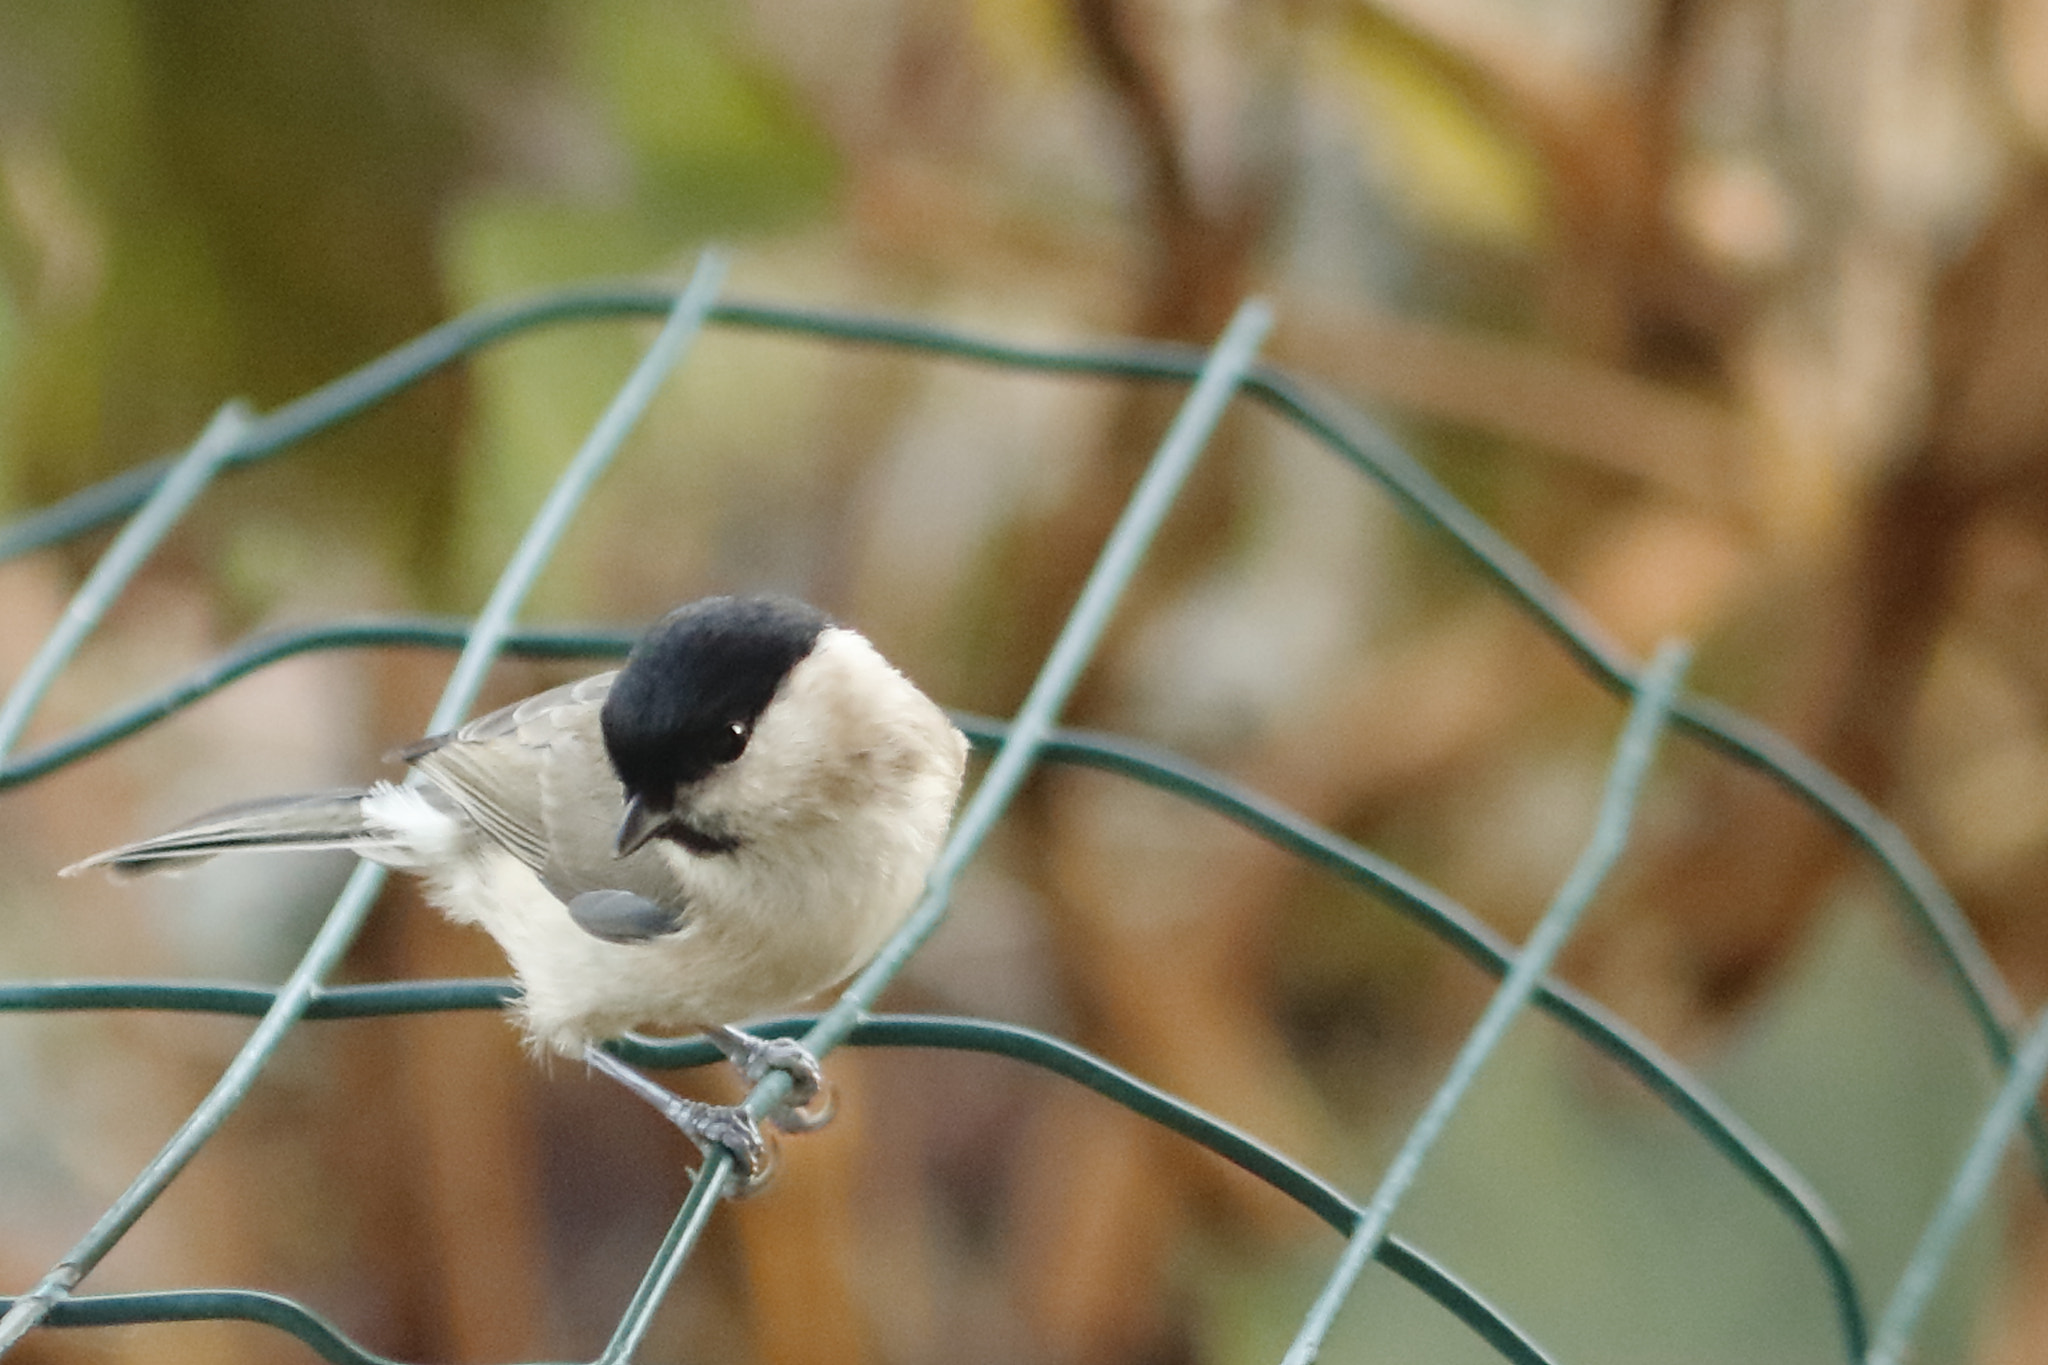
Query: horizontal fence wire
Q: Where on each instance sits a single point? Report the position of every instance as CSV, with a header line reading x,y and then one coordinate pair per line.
x,y
159,492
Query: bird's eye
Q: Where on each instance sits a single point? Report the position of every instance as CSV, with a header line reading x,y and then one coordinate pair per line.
x,y
729,741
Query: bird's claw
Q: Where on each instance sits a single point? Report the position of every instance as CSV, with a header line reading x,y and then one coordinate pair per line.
x,y
814,1112
809,1103
730,1127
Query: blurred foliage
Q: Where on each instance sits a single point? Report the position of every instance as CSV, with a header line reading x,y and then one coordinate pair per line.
x,y
1728,312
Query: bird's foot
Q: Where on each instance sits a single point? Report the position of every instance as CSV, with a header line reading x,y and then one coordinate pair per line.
x,y
709,1126
809,1103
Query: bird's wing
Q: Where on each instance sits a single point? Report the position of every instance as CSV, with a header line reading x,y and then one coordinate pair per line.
x,y
492,767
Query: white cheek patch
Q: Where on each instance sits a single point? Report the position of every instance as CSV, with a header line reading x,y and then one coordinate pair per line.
x,y
807,758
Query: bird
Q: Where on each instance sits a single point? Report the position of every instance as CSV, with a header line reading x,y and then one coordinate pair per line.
x,y
725,826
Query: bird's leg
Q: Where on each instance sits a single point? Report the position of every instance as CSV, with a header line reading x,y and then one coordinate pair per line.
x,y
810,1101
708,1125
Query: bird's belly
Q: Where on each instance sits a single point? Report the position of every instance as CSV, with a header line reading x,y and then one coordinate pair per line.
x,y
732,961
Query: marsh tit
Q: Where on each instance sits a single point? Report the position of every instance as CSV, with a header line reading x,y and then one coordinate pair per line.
x,y
724,827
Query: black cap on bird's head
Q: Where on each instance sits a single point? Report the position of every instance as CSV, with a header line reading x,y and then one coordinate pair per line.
x,y
686,702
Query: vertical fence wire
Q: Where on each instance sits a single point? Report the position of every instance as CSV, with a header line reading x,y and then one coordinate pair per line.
x,y
182,484
1637,746
1937,1245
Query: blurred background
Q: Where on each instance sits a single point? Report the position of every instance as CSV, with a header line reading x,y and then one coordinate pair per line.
x,y
1733,314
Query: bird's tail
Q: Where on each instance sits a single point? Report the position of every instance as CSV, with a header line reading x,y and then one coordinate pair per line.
x,y
330,819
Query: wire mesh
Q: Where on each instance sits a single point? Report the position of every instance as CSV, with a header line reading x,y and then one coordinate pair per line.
x,y
159,494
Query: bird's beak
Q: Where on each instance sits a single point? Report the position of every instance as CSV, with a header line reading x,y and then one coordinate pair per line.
x,y
643,821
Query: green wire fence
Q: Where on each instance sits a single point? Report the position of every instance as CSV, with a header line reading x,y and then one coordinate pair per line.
x,y
155,496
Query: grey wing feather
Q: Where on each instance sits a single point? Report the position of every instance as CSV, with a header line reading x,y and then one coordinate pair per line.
x,y
492,766
487,784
